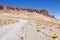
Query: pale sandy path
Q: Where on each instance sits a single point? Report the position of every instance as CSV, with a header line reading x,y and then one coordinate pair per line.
x,y
12,31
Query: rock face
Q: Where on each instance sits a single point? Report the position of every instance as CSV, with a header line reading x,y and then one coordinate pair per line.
x,y
1,7
44,12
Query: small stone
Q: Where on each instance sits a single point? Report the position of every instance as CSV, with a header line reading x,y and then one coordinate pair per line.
x,y
51,30
22,38
58,27
38,30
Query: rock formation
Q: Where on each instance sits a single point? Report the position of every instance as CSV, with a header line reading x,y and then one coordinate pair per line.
x,y
44,12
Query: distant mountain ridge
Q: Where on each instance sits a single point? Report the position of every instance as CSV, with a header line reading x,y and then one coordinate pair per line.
x,y
44,12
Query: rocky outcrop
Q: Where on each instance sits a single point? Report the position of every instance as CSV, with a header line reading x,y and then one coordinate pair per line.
x,y
44,12
1,7
10,8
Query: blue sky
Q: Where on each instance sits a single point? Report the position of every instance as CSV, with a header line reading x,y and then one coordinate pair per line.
x,y
52,6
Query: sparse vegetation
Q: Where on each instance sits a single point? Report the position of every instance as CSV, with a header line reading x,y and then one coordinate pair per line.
x,y
54,36
8,21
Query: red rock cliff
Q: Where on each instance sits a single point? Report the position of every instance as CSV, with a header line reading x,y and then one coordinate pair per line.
x,y
44,12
